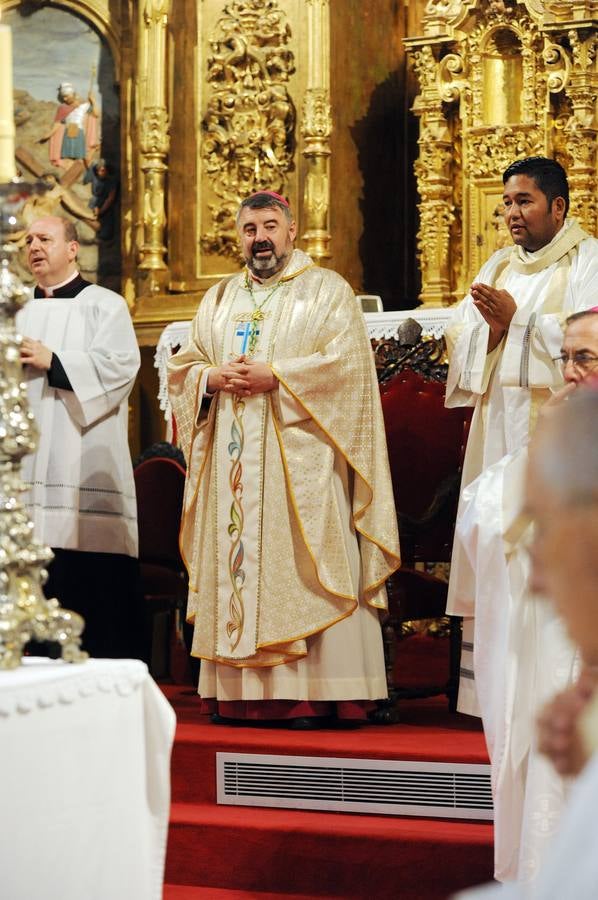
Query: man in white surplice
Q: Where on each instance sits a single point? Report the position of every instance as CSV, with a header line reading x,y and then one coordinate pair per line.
x,y
505,342
561,499
289,529
80,358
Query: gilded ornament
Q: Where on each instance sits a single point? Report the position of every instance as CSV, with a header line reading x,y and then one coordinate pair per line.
x,y
316,197
557,66
153,132
450,84
424,64
316,121
502,87
249,124
153,137
496,149
155,12
441,14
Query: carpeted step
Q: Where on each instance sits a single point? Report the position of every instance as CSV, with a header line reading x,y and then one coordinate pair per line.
x,y
339,855
191,892
427,732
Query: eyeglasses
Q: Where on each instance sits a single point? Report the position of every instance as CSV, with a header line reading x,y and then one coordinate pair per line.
x,y
581,361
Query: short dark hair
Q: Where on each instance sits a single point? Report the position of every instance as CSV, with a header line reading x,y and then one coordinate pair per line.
x,y
583,314
265,200
549,175
70,230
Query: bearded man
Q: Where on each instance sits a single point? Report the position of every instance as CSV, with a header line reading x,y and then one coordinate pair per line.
x,y
289,529
506,339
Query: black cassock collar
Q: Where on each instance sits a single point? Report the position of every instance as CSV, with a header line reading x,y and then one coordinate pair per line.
x,y
71,289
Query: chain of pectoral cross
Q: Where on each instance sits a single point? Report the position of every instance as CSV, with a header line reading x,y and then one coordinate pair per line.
x,y
253,319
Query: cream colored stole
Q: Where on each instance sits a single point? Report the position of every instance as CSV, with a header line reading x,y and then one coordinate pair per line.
x,y
240,434
561,250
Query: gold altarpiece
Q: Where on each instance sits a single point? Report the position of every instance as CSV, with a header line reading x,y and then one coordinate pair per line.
x,y
222,97
498,80
217,99
229,97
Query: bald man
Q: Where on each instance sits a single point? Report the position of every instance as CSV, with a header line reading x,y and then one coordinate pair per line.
x,y
562,502
80,359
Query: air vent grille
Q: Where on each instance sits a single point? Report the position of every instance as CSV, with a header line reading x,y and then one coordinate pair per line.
x,y
389,787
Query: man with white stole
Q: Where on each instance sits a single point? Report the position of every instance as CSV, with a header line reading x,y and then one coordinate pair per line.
x,y
561,504
80,358
505,345
289,530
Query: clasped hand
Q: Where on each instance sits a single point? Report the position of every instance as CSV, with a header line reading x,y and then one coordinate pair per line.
x,y
558,735
36,354
497,307
242,376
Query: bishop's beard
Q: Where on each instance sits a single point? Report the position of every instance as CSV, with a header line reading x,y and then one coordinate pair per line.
x,y
266,267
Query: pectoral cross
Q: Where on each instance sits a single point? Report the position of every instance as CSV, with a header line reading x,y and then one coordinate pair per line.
x,y
244,331
250,330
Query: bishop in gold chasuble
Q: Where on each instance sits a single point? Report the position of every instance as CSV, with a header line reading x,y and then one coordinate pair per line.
x,y
289,530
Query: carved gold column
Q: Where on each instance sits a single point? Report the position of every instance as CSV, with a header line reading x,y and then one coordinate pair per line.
x,y
316,127
153,138
581,130
434,175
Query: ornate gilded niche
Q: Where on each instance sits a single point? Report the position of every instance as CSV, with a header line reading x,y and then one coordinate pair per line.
x,y
241,102
498,80
248,128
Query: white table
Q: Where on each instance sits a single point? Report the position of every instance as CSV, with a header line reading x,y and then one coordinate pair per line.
x,y
84,781
380,325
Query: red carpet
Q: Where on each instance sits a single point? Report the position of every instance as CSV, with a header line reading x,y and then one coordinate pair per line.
x,y
227,852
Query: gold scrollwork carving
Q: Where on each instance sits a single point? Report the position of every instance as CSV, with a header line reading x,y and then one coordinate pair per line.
x,y
495,149
580,133
557,67
583,51
441,13
316,198
249,124
433,243
425,67
153,131
156,11
517,79
316,120
450,84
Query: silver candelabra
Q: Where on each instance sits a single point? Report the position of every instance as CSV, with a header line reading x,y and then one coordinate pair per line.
x,y
25,613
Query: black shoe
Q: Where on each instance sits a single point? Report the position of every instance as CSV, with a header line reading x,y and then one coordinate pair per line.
x,y
217,719
309,723
348,724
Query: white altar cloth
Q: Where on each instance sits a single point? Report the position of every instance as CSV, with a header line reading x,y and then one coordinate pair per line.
x,y
380,325
84,781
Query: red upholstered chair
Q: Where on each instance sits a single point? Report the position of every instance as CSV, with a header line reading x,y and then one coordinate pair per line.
x,y
160,483
426,445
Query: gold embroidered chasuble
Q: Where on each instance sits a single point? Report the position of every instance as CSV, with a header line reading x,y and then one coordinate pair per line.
x,y
264,535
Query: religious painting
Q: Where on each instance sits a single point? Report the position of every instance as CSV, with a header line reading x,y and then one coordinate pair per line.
x,y
67,131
